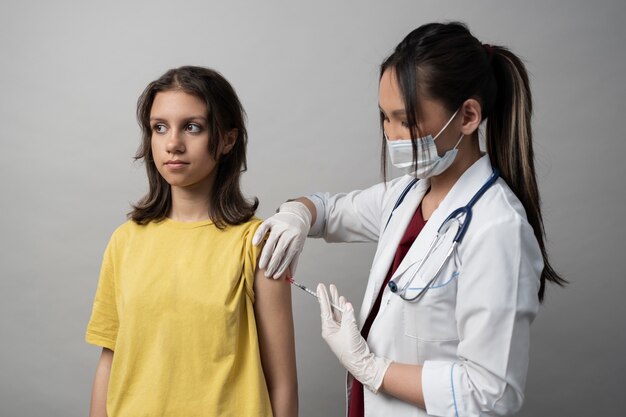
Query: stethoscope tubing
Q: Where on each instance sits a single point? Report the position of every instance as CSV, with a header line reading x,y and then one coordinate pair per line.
x,y
465,212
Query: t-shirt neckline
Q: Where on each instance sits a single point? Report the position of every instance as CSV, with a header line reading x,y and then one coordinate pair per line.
x,y
185,225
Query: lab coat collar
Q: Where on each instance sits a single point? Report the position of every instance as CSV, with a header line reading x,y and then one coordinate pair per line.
x,y
401,217
467,185
390,239
459,195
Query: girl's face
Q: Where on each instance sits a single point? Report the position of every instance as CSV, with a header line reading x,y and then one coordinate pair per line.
x,y
180,141
434,115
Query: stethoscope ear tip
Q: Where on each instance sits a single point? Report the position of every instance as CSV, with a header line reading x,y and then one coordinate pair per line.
x,y
393,287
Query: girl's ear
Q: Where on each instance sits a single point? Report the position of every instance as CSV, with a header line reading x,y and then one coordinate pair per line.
x,y
471,114
229,141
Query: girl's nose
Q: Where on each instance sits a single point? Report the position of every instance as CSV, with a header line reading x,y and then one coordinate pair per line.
x,y
175,143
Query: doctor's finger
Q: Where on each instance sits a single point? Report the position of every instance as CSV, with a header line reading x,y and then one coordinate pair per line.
x,y
269,251
281,251
347,318
261,231
280,271
324,300
334,294
334,297
289,253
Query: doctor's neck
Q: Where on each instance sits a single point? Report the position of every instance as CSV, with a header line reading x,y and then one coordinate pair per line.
x,y
469,152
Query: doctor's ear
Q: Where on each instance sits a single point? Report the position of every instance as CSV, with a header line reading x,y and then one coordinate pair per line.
x,y
471,114
229,140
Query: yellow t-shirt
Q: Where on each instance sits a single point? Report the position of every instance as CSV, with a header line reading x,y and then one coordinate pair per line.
x,y
175,303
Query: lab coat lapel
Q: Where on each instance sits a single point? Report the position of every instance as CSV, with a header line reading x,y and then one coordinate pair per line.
x,y
461,193
389,241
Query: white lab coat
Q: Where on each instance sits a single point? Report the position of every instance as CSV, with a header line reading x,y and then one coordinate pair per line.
x,y
471,331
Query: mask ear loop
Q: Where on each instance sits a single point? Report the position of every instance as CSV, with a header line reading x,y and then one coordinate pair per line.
x,y
446,125
459,141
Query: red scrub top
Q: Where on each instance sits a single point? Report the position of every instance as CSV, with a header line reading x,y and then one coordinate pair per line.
x,y
355,404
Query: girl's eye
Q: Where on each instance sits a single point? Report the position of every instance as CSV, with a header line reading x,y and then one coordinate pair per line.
x,y
159,128
405,124
193,128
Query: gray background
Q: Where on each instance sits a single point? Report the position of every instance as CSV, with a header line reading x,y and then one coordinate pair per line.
x,y
71,72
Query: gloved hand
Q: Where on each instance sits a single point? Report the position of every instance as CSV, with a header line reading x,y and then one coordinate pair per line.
x,y
342,334
288,231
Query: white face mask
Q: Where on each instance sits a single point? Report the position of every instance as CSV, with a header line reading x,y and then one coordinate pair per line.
x,y
429,163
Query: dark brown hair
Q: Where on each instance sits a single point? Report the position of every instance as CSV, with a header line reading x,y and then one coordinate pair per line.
x,y
224,113
444,61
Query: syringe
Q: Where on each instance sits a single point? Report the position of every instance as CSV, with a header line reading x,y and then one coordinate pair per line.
x,y
310,292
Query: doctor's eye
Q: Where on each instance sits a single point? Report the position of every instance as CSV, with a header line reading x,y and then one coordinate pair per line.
x,y
193,128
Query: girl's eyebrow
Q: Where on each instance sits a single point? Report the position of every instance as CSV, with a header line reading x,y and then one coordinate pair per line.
x,y
197,117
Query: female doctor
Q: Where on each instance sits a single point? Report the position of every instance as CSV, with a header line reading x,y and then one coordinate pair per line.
x,y
461,263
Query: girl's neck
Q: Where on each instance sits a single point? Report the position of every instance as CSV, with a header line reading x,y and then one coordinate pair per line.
x,y
189,205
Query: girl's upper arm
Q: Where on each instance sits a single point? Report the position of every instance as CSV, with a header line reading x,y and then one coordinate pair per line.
x,y
274,320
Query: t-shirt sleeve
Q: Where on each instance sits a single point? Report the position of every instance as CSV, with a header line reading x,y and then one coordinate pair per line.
x,y
104,322
251,255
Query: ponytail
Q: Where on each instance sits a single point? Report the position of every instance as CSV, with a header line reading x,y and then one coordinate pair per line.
x,y
509,144
446,62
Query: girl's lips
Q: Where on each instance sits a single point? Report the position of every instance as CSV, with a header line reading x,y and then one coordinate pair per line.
x,y
176,164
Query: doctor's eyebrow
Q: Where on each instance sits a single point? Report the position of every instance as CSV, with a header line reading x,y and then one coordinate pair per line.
x,y
395,113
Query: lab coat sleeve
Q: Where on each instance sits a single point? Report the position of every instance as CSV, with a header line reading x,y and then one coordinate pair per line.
x,y
349,217
496,303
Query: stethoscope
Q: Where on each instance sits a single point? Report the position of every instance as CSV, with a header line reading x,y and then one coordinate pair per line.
x,y
462,215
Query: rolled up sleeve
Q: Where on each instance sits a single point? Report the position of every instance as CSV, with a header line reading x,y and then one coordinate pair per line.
x,y
356,216
349,217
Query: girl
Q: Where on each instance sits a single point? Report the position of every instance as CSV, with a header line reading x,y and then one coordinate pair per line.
x,y
187,324
446,316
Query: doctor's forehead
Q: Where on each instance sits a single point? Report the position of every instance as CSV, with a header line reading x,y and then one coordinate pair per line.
x,y
389,97
391,103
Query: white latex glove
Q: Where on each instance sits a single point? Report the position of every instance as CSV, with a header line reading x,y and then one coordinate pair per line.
x,y
342,334
288,231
